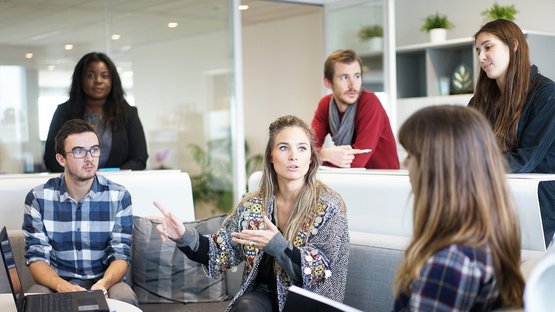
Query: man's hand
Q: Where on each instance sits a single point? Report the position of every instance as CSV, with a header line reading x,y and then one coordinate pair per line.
x,y
342,156
44,275
100,285
68,287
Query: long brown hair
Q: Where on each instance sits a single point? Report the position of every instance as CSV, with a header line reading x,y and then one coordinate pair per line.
x,y
460,195
503,107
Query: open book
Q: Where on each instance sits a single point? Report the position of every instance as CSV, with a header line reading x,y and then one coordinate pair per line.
x,y
299,299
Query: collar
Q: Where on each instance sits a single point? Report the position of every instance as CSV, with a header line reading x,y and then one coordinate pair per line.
x,y
64,195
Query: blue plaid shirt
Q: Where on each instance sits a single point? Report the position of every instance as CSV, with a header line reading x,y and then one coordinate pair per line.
x,y
455,278
78,239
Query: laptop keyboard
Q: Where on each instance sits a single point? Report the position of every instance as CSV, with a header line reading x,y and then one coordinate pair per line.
x,y
59,302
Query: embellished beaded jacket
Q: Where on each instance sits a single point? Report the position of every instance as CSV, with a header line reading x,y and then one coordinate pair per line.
x,y
323,242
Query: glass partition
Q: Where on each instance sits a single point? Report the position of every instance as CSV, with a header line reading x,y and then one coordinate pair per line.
x,y
364,26
176,62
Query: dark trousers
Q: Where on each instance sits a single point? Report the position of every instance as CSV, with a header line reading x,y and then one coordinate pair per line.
x,y
260,299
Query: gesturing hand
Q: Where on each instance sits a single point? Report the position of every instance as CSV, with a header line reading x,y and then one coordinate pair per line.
x,y
256,238
342,156
168,224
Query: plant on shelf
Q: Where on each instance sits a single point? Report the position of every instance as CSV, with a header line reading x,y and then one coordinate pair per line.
x,y
368,32
373,35
497,11
437,26
436,21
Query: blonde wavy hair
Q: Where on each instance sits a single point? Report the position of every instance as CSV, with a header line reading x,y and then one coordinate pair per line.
x,y
309,194
460,195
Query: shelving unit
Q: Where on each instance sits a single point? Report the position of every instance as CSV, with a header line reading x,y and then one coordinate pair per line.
x,y
420,67
373,71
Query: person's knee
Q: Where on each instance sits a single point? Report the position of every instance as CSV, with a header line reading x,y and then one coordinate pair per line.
x,y
252,302
122,292
39,289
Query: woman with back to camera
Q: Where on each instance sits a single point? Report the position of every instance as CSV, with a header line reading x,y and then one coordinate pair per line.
x,y
96,95
464,254
520,106
291,231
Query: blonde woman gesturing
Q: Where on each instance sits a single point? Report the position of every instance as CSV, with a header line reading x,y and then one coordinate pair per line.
x,y
291,231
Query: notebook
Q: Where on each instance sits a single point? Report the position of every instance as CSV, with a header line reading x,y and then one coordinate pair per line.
x,y
80,301
299,299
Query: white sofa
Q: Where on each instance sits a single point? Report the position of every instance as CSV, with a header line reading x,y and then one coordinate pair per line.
x,y
170,187
374,256
380,201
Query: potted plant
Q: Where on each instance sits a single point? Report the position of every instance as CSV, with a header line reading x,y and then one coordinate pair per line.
x,y
373,34
497,11
437,25
213,187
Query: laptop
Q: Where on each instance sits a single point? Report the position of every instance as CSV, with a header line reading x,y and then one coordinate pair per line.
x,y
79,301
299,299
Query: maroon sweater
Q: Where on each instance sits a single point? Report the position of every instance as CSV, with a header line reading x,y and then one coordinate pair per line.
x,y
372,130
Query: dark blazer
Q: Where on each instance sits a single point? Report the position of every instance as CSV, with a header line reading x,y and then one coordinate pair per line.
x,y
128,142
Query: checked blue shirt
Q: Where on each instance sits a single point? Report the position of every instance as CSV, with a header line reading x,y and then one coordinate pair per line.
x,y
78,239
455,278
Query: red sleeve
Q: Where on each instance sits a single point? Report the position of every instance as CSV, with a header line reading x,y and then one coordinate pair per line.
x,y
320,122
372,130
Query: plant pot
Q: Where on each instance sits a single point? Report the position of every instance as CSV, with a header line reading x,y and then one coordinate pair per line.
x,y
375,44
438,34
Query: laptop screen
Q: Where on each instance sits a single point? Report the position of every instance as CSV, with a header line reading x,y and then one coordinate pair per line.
x,y
299,299
11,270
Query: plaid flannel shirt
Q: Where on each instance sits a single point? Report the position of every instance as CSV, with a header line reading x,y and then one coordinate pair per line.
x,y
455,278
78,239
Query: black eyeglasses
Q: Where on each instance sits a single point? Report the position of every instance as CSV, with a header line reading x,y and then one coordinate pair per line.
x,y
81,152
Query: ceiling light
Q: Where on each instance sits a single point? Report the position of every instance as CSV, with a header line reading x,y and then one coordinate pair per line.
x,y
68,47
172,24
115,37
28,55
51,67
243,7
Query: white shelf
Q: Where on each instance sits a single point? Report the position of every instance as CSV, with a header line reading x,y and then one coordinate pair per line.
x,y
429,45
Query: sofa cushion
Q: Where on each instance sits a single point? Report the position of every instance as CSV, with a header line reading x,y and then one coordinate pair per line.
x,y
373,263
162,273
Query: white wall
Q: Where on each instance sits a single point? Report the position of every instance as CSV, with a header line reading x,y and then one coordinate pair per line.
x,y
537,15
283,71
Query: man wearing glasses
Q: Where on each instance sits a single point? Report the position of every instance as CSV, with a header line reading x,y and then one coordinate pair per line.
x,y
78,226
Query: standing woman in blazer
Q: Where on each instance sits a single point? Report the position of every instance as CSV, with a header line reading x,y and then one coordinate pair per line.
x,y
519,103
96,95
464,254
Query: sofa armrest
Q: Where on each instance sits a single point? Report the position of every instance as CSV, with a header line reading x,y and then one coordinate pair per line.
x,y
17,241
